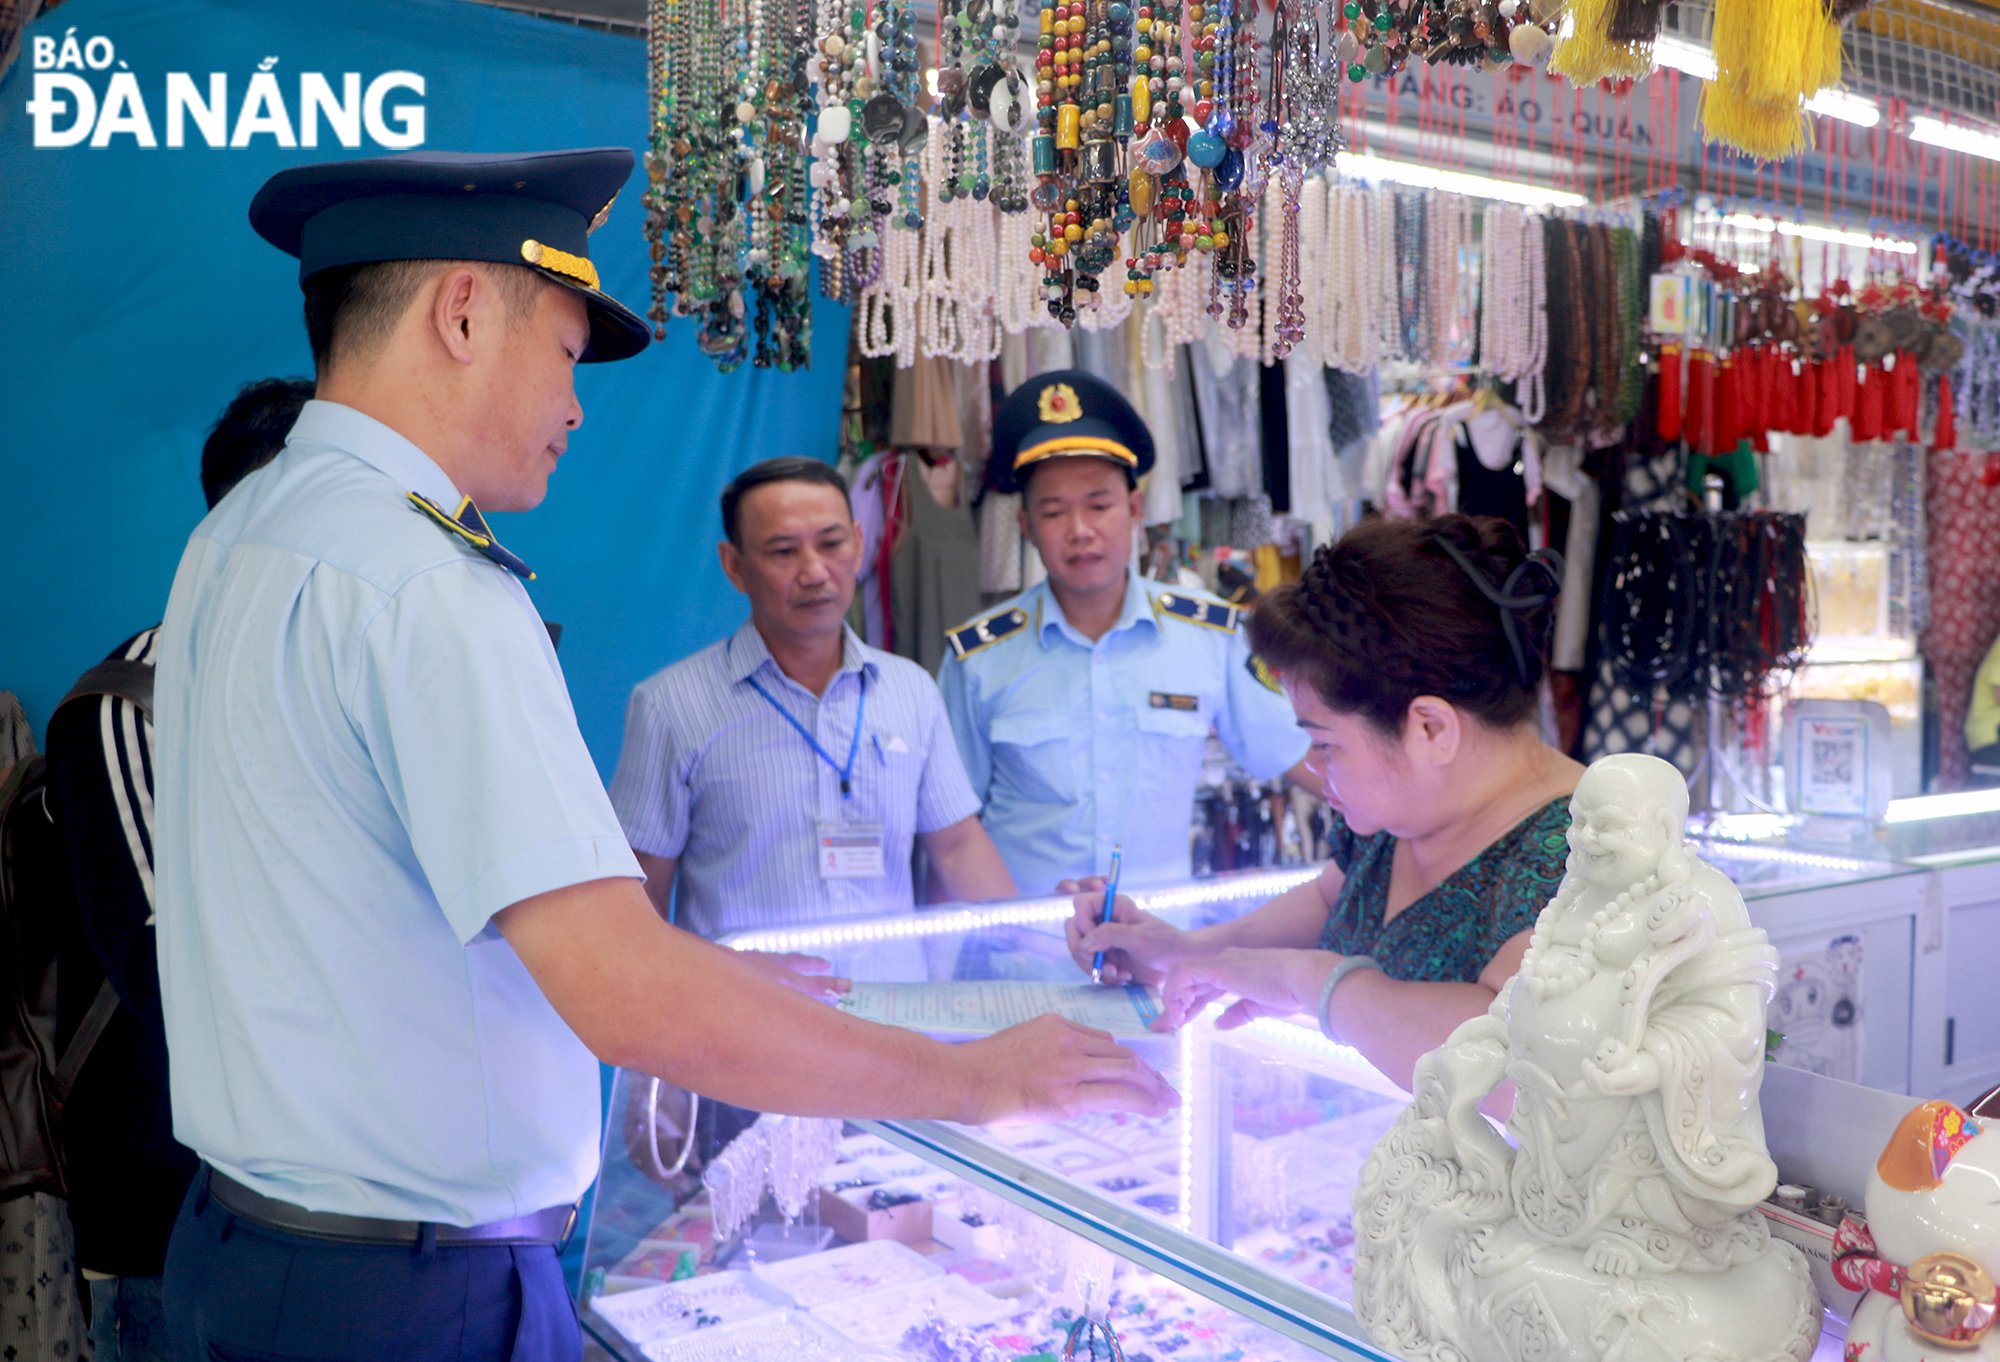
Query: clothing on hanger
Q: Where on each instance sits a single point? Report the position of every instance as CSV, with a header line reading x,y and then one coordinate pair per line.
x,y
934,573
923,409
1226,397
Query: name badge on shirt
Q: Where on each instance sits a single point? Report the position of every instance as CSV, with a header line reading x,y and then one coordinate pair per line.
x,y
851,851
1162,700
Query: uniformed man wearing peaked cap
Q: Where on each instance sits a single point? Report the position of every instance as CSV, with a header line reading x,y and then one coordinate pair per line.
x,y
398,921
1082,705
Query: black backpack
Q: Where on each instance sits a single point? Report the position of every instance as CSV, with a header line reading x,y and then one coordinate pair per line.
x,y
35,896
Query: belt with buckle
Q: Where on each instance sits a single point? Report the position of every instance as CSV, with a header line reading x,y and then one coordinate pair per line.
x,y
552,1226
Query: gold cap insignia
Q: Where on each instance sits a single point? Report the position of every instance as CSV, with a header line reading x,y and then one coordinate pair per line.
x,y
569,266
602,214
1059,405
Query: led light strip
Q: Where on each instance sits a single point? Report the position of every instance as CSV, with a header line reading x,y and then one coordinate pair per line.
x,y
1921,808
1307,1040
1690,59
1953,137
1360,165
1833,236
1811,860
1745,827
1262,884
1189,1107
1856,109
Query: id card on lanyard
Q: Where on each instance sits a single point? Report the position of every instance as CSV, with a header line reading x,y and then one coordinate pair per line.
x,y
851,850
847,848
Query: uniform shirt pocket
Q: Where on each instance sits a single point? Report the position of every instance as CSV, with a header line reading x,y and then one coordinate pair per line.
x,y
1033,757
1170,747
1171,722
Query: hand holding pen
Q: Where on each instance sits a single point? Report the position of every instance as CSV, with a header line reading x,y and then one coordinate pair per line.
x,y
1110,902
1116,941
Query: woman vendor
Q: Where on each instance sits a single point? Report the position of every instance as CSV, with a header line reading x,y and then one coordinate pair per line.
x,y
1412,653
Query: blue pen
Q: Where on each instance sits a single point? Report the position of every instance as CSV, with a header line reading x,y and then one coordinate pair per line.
x,y
1110,897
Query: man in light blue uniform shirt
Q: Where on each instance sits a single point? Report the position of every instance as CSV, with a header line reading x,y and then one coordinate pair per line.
x,y
783,775
1082,705
398,921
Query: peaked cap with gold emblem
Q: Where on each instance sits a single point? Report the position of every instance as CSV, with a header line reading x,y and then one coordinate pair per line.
x,y
536,211
1066,413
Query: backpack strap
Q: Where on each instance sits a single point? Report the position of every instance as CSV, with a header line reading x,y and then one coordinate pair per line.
x,y
132,681
102,1009
121,677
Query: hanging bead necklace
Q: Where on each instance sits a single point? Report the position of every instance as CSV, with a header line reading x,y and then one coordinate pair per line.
x,y
896,128
1058,136
997,95
832,169
723,335
782,256
1158,191
953,21
660,15
877,163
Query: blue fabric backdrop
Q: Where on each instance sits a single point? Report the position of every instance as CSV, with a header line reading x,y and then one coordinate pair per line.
x,y
137,299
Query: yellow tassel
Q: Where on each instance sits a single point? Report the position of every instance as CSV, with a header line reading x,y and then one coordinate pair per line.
x,y
1770,130
1771,50
1829,73
1585,55
1770,55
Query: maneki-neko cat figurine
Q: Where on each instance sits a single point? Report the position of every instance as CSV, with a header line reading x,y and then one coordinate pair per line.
x,y
1930,1251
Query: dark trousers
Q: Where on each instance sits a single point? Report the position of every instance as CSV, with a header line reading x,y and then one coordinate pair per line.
x,y
239,1292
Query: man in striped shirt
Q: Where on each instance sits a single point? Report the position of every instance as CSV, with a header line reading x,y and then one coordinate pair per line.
x,y
782,775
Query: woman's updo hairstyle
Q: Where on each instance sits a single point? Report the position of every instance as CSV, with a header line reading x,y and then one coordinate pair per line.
x,y
1453,607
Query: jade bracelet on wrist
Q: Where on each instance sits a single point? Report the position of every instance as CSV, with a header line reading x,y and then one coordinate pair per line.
x,y
1348,964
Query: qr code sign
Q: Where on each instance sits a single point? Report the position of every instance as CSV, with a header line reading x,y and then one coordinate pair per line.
x,y
1833,761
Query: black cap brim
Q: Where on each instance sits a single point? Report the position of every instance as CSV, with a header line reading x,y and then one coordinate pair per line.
x,y
616,331
515,210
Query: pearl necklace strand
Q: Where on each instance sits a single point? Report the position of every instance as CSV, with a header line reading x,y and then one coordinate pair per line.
x,y
1385,277
1532,393
889,305
1181,299
1514,315
1155,350
1503,305
1020,279
938,320
975,248
1312,241
1444,284
1329,281
1357,281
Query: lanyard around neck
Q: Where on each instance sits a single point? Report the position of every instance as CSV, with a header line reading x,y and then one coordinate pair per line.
x,y
846,773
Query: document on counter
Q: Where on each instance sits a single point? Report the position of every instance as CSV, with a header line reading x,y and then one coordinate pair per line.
x,y
981,1007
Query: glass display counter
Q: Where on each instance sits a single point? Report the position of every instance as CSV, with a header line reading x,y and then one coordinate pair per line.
x,y
1946,849
1221,1231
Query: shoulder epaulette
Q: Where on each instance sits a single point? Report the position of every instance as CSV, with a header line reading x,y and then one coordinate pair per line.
x,y
1195,610
968,639
470,526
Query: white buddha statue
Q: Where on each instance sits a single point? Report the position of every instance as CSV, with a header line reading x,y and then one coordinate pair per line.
x,y
1622,1227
